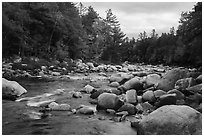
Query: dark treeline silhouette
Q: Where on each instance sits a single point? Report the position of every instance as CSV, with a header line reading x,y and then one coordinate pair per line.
x,y
69,31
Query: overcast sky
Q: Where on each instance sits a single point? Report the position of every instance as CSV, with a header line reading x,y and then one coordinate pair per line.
x,y
136,17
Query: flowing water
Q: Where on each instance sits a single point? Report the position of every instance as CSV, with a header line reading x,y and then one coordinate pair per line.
x,y
20,119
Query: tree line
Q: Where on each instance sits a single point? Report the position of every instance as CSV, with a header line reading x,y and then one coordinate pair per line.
x,y
70,30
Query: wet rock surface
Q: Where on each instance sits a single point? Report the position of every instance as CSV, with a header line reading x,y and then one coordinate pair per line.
x,y
102,99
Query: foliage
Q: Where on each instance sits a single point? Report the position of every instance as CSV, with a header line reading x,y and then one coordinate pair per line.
x,y
63,31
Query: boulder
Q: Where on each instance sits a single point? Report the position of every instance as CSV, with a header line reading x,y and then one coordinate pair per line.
x,y
195,89
139,99
90,65
77,95
149,96
114,84
168,99
131,96
171,120
179,94
11,89
55,74
59,107
144,107
116,91
108,101
182,84
167,82
86,110
133,83
193,100
151,80
158,93
140,74
199,79
130,108
87,89
98,92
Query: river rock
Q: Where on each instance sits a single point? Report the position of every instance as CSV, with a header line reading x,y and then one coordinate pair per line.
x,y
133,83
90,65
151,80
108,101
77,95
158,93
140,74
114,84
11,89
116,91
131,96
149,96
171,120
182,84
55,73
179,94
95,94
86,110
167,82
194,100
130,108
139,99
168,99
199,79
59,107
144,108
88,89
195,89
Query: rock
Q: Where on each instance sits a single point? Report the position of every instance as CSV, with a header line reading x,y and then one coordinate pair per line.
x,y
55,74
86,110
149,96
139,74
139,99
158,93
130,108
179,94
194,100
131,96
98,92
59,107
182,84
195,89
114,84
122,113
151,80
108,101
168,99
88,89
77,95
116,91
171,120
133,83
167,82
90,65
11,89
144,107
43,68
33,103
199,79
199,108
119,77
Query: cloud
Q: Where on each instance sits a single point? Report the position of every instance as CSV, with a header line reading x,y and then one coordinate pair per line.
x,y
136,17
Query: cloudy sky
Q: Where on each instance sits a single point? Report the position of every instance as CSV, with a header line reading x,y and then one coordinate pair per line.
x,y
136,17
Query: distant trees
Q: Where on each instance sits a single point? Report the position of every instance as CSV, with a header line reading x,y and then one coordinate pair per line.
x,y
67,30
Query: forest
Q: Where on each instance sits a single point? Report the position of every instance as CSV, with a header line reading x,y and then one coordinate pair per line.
x,y
64,31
